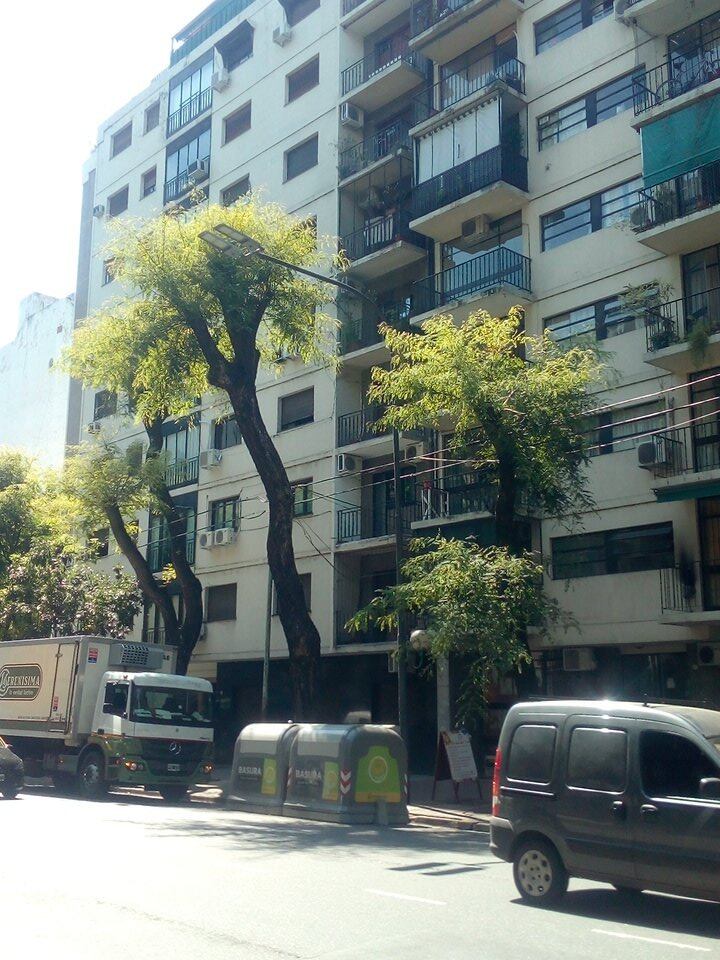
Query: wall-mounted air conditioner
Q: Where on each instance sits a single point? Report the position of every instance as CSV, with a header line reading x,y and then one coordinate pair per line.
x,y
220,80
225,537
197,171
210,459
579,659
351,116
207,540
99,211
94,427
477,227
346,464
708,654
282,34
655,453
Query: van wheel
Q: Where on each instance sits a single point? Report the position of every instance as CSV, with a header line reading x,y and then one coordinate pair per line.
x,y
91,777
10,793
540,875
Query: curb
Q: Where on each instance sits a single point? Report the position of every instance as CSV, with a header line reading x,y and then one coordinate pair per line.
x,y
441,822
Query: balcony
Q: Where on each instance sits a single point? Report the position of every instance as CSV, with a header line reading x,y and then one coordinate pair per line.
x,y
383,77
682,214
674,329
493,184
443,29
159,554
356,434
363,17
359,333
687,459
373,635
663,17
203,27
182,472
388,143
445,96
178,188
356,524
189,110
657,92
383,245
494,281
690,595
453,497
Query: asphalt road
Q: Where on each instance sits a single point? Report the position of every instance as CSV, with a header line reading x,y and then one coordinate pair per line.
x,y
135,878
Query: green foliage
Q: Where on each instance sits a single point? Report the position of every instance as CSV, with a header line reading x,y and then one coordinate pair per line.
x,y
19,489
101,475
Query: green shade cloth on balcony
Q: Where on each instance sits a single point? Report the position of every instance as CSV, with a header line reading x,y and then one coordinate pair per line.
x,y
695,492
681,142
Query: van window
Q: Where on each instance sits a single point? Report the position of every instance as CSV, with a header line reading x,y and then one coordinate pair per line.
x,y
532,752
597,759
673,766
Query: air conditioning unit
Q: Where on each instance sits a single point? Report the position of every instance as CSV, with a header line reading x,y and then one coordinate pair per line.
x,y
579,659
477,227
99,211
346,464
414,451
708,654
94,427
210,459
655,453
220,80
207,540
225,537
621,8
197,171
351,116
281,35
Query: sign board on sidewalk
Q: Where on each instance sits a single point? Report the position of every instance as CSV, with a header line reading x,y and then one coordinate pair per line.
x,y
455,760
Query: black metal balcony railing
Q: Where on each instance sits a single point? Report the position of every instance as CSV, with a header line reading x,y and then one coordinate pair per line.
x,y
667,201
159,553
382,144
693,449
187,112
671,322
456,87
475,174
377,62
358,425
205,29
182,472
180,184
363,331
455,495
426,13
496,268
372,635
379,233
676,76
680,588
356,523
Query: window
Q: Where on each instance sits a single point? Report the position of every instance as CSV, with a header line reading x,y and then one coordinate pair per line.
x,y
222,602
306,581
121,140
118,202
235,191
569,20
237,46
301,158
152,116
587,216
237,123
226,434
149,182
115,698
617,430
108,275
105,404
190,95
225,514
532,752
605,318
101,540
593,108
627,550
303,494
597,759
297,10
181,155
672,766
297,409
303,79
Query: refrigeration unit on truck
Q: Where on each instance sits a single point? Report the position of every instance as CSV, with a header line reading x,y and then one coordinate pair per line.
x,y
96,713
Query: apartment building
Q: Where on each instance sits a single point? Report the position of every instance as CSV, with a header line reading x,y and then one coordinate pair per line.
x,y
470,154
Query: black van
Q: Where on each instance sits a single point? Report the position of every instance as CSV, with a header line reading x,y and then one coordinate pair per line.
x,y
623,793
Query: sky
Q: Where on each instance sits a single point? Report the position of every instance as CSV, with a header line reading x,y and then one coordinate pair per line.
x,y
65,68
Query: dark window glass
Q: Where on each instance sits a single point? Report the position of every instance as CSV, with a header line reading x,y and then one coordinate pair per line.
x,y
152,116
603,319
190,95
672,766
108,275
237,46
118,202
297,409
237,123
226,434
303,79
589,215
597,759
181,160
303,498
115,698
568,21
297,10
532,752
102,542
235,191
225,514
222,602
301,158
623,429
593,108
149,182
627,550
121,140
105,404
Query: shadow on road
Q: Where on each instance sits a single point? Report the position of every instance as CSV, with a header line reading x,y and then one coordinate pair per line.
x,y
650,910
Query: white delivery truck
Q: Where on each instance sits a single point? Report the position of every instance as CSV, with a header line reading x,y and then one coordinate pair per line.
x,y
95,713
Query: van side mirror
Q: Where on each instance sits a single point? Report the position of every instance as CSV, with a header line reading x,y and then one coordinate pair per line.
x,y
710,788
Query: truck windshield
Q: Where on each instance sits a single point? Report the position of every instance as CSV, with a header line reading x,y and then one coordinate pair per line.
x,y
181,708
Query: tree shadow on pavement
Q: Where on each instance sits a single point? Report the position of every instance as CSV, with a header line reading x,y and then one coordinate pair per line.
x,y
650,910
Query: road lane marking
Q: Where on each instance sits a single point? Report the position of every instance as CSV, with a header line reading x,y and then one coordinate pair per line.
x,y
660,943
405,896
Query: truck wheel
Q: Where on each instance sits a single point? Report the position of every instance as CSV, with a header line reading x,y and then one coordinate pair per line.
x,y
9,793
540,875
91,776
173,792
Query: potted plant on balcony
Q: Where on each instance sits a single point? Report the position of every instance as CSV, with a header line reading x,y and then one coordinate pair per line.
x,y
649,301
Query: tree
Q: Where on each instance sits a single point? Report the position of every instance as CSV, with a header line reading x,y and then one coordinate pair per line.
x,y
220,318
519,408
18,521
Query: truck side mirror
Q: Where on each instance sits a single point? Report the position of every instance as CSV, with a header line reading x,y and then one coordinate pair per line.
x,y
710,788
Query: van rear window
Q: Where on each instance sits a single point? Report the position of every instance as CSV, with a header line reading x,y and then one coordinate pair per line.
x,y
532,751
